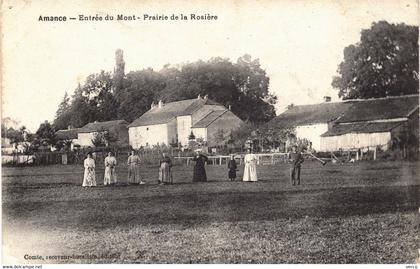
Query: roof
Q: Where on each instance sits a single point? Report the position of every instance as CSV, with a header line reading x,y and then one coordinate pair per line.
x,y
169,111
348,111
381,108
209,118
362,127
101,126
67,134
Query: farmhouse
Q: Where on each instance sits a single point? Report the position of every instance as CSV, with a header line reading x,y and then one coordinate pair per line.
x,y
69,134
354,124
173,122
116,130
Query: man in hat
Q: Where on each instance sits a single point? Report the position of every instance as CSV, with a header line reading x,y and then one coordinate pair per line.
x,y
297,159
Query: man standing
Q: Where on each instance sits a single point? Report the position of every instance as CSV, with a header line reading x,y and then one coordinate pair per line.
x,y
297,160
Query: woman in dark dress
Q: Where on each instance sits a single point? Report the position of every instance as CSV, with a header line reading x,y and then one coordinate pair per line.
x,y
199,169
232,168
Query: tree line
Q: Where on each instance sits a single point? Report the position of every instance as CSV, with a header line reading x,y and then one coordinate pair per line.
x,y
242,85
383,63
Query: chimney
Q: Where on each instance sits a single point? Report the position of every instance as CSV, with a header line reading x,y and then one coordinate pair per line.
x,y
160,104
327,99
152,105
206,97
230,107
199,97
69,127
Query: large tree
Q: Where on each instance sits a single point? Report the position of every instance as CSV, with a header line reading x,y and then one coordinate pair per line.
x,y
46,133
63,115
243,86
139,90
383,63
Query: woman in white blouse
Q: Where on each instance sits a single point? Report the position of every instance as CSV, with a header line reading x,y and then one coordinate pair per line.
x,y
89,179
250,171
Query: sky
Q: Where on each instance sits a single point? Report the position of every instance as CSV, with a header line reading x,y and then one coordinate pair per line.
x,y
299,44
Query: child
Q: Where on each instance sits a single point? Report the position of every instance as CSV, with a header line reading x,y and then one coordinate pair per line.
x,y
232,168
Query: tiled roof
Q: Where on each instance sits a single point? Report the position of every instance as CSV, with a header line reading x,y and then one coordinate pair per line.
x,y
209,118
381,108
170,111
362,127
310,114
67,134
347,111
101,126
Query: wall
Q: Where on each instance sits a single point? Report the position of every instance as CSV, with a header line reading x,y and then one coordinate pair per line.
x,y
312,133
172,131
183,128
200,133
85,139
227,122
355,141
148,135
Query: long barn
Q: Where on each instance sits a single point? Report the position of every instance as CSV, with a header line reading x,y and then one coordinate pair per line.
x,y
355,124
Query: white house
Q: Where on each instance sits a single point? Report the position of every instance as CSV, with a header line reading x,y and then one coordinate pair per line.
x,y
172,123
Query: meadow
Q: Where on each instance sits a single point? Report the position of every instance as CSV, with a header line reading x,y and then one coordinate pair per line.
x,y
366,212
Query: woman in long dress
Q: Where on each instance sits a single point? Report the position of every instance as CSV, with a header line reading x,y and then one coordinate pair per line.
x,y
165,175
110,176
250,171
89,179
199,169
133,163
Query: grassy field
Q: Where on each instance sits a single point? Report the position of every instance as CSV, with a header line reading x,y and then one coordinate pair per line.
x,y
353,213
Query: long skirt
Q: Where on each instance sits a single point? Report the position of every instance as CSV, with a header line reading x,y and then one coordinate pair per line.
x,y
133,174
165,173
110,176
232,173
250,172
199,174
89,179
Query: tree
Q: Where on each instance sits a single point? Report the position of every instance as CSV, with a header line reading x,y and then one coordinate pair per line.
x,y
139,91
383,63
99,140
63,115
243,86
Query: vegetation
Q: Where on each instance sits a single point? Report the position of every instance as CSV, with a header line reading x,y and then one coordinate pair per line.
x,y
384,63
242,85
351,213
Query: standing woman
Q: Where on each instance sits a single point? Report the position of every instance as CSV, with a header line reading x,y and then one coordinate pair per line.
x,y
89,176
165,175
110,176
199,169
250,171
133,163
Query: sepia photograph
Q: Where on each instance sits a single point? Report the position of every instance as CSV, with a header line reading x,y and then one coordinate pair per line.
x,y
210,132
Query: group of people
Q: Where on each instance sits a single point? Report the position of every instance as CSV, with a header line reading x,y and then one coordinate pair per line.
x,y
110,174
165,167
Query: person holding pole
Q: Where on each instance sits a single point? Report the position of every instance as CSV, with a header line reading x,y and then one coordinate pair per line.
x,y
297,160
